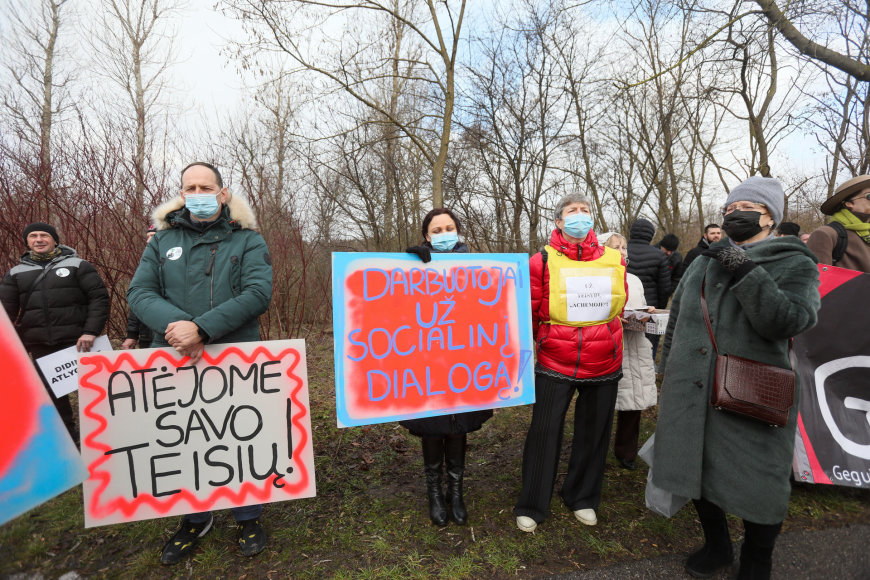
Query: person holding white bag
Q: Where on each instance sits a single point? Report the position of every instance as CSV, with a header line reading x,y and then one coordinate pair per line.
x,y
637,387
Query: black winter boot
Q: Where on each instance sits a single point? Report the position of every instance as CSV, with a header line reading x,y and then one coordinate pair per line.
x,y
717,551
756,555
433,460
454,453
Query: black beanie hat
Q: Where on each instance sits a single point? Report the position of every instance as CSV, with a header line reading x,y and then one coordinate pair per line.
x,y
40,227
789,229
670,242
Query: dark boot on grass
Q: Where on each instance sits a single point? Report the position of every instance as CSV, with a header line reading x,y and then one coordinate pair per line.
x,y
433,461
756,555
454,454
717,551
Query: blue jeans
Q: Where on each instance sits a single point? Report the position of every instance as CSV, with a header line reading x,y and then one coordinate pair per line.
x,y
248,512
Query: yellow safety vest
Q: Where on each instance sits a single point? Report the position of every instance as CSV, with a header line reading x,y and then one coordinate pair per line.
x,y
585,293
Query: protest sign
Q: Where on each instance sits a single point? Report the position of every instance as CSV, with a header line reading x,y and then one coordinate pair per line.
x,y
60,368
416,339
38,459
161,437
832,442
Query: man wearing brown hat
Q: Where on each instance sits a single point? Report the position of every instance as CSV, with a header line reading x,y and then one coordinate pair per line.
x,y
56,300
845,241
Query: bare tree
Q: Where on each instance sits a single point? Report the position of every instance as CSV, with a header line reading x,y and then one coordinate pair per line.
x,y
519,114
854,67
38,92
349,64
134,44
841,114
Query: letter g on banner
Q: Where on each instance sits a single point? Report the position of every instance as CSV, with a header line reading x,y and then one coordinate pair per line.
x,y
822,374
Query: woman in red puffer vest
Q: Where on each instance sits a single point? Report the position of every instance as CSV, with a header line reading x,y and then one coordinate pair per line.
x,y
578,290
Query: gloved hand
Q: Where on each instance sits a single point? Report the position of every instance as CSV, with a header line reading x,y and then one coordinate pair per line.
x,y
732,259
421,252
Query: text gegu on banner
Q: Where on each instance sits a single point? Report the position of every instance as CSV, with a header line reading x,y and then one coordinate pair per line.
x,y
416,339
161,437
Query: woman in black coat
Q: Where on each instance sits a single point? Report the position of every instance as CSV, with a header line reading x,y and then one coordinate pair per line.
x,y
444,437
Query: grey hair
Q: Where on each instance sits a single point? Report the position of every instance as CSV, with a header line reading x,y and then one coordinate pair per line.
x,y
568,200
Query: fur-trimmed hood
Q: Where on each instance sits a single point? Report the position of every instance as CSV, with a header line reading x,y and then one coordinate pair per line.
x,y
240,212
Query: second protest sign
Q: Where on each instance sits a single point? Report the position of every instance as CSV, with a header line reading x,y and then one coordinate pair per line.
x,y
416,339
161,437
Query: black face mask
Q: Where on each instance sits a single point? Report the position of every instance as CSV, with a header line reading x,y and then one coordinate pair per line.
x,y
742,225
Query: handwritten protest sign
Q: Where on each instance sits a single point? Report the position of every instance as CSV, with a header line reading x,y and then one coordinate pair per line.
x,y
60,368
162,437
419,340
38,460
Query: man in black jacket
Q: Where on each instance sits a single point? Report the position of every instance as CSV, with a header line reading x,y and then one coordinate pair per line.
x,y
712,234
668,246
651,266
56,300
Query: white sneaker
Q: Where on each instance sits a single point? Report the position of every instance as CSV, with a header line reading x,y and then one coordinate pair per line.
x,y
586,516
526,524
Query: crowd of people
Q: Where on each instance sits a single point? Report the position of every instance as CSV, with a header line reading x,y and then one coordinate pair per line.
x,y
205,276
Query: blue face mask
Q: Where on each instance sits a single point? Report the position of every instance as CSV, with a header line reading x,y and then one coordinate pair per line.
x,y
444,242
201,205
577,225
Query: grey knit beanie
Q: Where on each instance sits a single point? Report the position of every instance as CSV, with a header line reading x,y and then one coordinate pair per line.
x,y
757,189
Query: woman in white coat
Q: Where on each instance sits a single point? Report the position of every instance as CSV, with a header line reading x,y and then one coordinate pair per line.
x,y
637,388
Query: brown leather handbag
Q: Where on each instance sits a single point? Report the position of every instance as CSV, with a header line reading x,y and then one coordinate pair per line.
x,y
749,388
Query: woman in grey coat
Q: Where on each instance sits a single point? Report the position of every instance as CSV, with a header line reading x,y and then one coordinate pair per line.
x,y
761,290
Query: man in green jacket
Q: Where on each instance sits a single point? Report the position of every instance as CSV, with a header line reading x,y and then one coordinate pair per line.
x,y
204,278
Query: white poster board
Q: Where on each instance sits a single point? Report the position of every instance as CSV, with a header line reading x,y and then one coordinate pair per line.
x,y
161,437
60,368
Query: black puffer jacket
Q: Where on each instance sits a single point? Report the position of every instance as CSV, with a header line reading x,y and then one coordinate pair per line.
x,y
702,246
444,425
70,300
649,264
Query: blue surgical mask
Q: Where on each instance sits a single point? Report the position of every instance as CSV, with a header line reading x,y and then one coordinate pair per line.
x,y
577,225
444,242
201,205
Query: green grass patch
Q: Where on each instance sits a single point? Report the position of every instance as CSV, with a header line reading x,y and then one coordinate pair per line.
x,y
370,520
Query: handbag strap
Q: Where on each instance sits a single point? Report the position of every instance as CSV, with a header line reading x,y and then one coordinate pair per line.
x,y
707,313
791,358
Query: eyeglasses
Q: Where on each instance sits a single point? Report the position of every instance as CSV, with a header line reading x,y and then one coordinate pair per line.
x,y
744,206
864,196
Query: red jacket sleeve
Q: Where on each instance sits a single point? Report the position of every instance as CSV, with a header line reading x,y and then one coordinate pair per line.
x,y
538,289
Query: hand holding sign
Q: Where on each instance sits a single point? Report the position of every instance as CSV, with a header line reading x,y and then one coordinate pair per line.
x,y
163,437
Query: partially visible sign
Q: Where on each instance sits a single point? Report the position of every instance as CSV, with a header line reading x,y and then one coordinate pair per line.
x,y
832,442
416,339
60,368
38,460
161,437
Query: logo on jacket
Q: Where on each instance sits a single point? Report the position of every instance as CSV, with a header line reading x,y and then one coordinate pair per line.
x,y
62,272
174,253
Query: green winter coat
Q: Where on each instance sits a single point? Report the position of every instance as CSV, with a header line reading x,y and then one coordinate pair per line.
x,y
739,464
220,278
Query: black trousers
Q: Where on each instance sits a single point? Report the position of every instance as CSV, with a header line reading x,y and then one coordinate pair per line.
x,y
627,434
62,404
593,419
